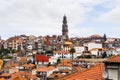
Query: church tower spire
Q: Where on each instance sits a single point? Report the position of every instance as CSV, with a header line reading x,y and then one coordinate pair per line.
x,y
65,28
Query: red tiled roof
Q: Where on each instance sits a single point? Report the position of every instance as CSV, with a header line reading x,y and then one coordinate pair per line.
x,y
115,58
13,65
95,36
94,73
58,75
59,52
19,75
64,70
12,38
44,68
2,79
78,69
65,63
20,41
29,66
22,59
47,43
5,74
33,77
42,58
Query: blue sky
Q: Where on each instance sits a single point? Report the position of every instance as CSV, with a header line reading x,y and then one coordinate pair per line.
x,y
44,17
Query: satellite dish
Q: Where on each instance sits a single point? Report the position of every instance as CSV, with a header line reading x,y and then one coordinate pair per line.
x,y
105,75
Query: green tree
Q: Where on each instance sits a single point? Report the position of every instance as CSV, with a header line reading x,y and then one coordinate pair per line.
x,y
7,57
72,51
111,55
104,37
42,62
42,53
104,55
58,61
87,56
49,64
13,51
4,51
49,52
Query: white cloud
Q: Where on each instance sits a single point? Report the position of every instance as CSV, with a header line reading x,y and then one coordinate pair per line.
x,y
82,31
112,16
42,17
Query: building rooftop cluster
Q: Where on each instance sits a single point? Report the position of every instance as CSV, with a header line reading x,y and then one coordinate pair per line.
x,y
59,57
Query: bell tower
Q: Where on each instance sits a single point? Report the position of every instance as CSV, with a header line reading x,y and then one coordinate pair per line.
x,y
65,28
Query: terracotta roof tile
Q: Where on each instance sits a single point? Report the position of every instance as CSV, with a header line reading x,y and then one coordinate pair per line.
x,y
13,38
47,43
78,69
13,65
22,59
44,68
19,76
20,41
65,70
115,58
28,65
95,36
65,63
32,65
21,73
2,79
33,77
59,52
25,65
94,73
58,75
5,74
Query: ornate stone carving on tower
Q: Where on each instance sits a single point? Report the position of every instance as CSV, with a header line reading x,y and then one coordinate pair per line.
x,y
65,28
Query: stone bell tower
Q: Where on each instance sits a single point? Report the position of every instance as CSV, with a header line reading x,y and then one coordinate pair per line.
x,y
65,28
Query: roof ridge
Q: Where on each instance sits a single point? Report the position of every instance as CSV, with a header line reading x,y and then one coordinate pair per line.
x,y
115,58
93,70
